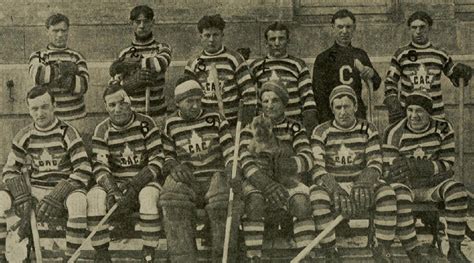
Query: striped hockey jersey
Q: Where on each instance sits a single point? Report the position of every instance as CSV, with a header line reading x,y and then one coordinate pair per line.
x,y
291,135
436,144
69,106
124,151
419,67
156,57
344,153
234,80
54,153
295,74
204,143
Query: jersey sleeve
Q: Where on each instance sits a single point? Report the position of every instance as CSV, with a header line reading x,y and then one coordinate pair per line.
x,y
81,83
154,149
393,77
39,71
249,166
16,159
318,149
160,60
81,165
373,151
302,148
100,153
305,89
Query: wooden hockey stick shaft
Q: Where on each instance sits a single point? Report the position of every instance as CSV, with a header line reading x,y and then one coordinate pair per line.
x,y
217,87
147,101
461,127
370,103
34,227
235,163
318,239
89,237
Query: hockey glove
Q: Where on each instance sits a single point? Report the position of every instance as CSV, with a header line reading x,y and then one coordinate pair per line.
x,y
461,71
179,172
124,67
235,183
285,166
310,120
114,194
341,199
362,192
395,109
138,79
275,193
22,199
52,205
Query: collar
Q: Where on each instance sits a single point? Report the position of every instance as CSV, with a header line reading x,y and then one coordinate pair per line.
x,y
282,57
123,127
221,50
197,117
427,45
417,131
53,47
336,45
344,129
144,42
50,127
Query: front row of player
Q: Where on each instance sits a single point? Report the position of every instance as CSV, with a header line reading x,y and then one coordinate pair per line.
x,y
188,166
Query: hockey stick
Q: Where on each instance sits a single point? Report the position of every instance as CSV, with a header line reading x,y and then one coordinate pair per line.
x,y
461,127
147,101
235,162
318,239
217,88
370,88
89,237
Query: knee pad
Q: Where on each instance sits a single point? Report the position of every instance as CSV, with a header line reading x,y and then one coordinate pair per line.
x,y
148,198
255,206
300,206
5,202
96,201
76,204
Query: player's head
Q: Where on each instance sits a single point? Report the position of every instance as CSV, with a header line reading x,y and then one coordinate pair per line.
x,y
343,25
211,31
187,96
57,28
419,107
420,26
274,97
277,36
142,19
117,104
41,105
343,101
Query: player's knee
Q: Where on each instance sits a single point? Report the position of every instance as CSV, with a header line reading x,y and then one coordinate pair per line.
x,y
148,198
5,202
455,189
402,192
76,204
255,206
96,201
300,206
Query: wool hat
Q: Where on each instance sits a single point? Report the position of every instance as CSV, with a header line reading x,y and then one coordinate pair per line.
x,y
342,90
278,87
420,98
187,88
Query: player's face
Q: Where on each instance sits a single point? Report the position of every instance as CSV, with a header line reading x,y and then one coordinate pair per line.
x,y
211,39
272,106
344,30
418,117
142,26
277,43
58,34
190,108
344,111
419,32
41,110
119,108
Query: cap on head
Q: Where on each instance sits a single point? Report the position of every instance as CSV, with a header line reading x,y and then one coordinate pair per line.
x,y
343,90
278,87
420,98
187,87
142,9
420,15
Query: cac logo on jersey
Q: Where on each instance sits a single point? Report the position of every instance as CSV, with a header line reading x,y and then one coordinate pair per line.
x,y
210,88
422,79
46,162
196,145
129,157
344,156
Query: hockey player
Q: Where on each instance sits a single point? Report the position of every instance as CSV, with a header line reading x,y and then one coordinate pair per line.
x,y
346,174
274,152
419,65
278,64
198,159
65,69
419,154
127,161
59,170
335,66
143,65
235,82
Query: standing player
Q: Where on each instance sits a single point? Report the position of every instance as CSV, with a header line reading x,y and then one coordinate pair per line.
x,y
65,69
346,174
198,158
127,156
335,66
419,152
274,152
294,73
235,82
143,65
59,171
419,65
